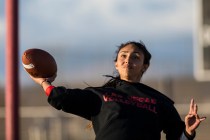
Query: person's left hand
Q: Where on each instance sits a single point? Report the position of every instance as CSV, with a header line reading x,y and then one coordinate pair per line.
x,y
192,120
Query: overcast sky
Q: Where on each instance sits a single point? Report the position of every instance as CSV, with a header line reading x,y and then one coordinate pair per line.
x,y
83,34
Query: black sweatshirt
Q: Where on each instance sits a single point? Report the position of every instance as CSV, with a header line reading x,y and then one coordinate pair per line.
x,y
129,111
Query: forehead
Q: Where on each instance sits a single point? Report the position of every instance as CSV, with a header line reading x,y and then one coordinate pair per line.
x,y
131,48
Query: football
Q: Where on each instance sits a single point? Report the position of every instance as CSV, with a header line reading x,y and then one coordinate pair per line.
x,y
39,63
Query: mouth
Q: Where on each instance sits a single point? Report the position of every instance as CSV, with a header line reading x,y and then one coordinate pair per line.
x,y
128,67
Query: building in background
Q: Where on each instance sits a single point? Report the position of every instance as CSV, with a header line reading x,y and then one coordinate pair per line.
x,y
202,40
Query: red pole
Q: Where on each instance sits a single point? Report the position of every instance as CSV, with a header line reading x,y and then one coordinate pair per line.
x,y
12,72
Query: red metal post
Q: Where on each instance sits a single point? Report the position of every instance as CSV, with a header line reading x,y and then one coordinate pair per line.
x,y
12,72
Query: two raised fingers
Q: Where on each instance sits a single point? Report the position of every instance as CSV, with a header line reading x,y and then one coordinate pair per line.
x,y
194,109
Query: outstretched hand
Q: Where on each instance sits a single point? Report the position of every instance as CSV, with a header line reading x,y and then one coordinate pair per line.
x,y
192,120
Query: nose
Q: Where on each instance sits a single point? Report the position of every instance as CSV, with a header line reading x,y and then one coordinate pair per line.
x,y
128,59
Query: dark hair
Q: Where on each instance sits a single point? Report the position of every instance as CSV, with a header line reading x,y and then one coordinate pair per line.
x,y
147,56
141,46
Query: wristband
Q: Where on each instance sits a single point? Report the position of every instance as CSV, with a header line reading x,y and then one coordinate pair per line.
x,y
48,90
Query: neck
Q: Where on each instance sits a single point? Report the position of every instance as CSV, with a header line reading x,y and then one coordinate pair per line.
x,y
131,80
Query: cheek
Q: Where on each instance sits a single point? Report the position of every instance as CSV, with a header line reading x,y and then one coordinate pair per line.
x,y
119,62
139,65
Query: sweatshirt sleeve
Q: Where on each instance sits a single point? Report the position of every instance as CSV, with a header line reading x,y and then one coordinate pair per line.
x,y
81,102
173,125
186,136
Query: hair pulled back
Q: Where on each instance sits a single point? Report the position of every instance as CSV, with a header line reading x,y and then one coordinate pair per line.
x,y
141,46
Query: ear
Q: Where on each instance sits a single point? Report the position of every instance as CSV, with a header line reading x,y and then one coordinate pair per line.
x,y
116,66
145,68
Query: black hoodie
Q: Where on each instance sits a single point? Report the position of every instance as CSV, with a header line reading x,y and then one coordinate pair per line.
x,y
128,111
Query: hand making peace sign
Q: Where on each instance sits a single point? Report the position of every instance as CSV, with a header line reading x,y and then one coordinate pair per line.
x,y
192,120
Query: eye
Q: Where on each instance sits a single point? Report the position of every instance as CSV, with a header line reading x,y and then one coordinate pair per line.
x,y
136,56
123,55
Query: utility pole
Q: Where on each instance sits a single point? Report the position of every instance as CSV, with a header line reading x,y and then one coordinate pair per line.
x,y
12,72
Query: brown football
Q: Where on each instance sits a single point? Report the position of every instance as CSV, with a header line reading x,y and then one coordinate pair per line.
x,y
39,63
